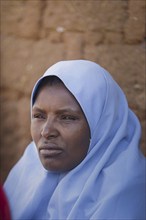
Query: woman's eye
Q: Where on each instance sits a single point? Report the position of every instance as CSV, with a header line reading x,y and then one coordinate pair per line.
x,y
68,117
39,116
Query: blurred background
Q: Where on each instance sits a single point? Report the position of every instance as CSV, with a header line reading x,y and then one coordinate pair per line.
x,y
38,33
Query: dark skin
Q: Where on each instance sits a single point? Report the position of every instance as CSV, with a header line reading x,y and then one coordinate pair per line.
x,y
59,129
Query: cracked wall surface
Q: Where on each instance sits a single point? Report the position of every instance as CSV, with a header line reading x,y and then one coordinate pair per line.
x,y
36,34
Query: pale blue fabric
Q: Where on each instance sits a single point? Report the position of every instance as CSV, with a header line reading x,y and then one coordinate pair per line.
x,y
110,182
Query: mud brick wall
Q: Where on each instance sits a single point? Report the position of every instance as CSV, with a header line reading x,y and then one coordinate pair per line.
x,y
36,34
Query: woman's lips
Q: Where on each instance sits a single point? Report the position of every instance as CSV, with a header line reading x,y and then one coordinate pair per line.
x,y
50,152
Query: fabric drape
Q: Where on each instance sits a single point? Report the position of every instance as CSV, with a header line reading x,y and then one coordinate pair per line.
x,y
110,182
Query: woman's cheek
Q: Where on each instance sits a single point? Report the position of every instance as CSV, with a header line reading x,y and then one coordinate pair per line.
x,y
35,130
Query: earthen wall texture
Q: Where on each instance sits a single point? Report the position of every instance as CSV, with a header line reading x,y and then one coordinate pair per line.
x,y
36,34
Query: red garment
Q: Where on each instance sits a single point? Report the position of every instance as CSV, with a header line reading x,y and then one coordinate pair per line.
x,y
4,206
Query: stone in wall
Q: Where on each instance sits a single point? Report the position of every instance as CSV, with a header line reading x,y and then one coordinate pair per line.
x,y
135,25
15,54
74,44
93,38
25,60
85,15
21,18
113,37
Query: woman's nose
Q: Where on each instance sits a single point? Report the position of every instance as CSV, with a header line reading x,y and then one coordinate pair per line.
x,y
49,129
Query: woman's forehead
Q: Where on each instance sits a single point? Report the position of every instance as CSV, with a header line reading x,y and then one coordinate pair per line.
x,y
56,93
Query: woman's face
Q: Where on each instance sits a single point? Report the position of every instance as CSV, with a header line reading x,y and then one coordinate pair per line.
x,y
59,129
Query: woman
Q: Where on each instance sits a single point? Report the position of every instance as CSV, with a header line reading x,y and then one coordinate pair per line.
x,y
84,161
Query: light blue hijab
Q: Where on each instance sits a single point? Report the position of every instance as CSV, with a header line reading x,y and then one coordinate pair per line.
x,y
110,182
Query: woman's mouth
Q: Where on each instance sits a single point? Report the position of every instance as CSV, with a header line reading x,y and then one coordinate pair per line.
x,y
50,152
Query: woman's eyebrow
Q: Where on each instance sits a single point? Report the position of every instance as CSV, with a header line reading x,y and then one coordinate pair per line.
x,y
35,108
68,110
